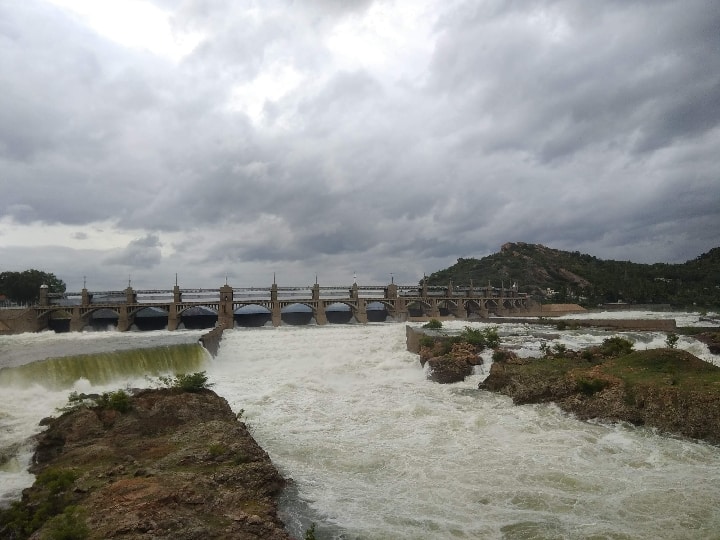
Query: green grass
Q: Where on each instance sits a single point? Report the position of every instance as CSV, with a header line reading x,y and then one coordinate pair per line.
x,y
664,367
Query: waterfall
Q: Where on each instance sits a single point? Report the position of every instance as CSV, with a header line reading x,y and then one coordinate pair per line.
x,y
104,367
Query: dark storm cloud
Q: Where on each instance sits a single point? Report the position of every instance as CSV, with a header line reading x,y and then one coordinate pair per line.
x,y
581,126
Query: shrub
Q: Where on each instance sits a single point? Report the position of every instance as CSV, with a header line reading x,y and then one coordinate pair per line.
x,y
501,355
117,401
70,525
616,346
426,341
671,340
187,382
591,386
474,336
433,324
310,533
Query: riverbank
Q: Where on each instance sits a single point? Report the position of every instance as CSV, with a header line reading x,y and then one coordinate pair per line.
x,y
159,464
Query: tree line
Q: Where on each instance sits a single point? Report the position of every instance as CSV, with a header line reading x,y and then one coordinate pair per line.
x,y
24,287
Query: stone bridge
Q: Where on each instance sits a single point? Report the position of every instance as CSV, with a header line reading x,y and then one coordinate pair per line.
x,y
398,302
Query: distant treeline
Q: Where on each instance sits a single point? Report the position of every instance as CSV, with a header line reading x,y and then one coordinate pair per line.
x,y
562,276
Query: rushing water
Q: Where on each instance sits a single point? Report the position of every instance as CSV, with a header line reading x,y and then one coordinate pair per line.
x,y
375,450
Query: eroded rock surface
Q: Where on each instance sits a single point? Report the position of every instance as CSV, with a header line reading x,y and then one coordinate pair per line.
x,y
177,465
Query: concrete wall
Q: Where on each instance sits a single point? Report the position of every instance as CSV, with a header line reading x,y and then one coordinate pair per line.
x,y
211,340
18,321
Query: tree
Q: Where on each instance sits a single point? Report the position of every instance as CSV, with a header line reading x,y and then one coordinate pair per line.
x,y
24,286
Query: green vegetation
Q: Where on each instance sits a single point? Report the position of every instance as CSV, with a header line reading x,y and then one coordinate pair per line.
x,y
616,346
665,367
589,281
51,497
310,533
23,287
671,340
501,355
591,386
481,338
433,324
118,400
70,525
187,382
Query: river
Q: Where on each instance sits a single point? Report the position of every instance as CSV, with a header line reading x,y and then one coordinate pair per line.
x,y
376,451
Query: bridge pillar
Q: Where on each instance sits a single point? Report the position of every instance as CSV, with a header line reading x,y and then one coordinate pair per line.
x,y
361,313
401,312
434,309
276,313
86,298
124,319
174,318
44,300
226,317
319,312
76,321
275,308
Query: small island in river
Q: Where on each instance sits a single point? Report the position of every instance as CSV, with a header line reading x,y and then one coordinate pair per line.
x,y
667,389
160,463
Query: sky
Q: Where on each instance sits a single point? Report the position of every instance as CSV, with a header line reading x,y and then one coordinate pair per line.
x,y
355,140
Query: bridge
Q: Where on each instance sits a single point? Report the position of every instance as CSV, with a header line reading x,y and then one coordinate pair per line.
x,y
224,306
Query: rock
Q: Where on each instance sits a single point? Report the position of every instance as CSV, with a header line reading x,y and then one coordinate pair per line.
x,y
454,366
209,477
591,392
711,339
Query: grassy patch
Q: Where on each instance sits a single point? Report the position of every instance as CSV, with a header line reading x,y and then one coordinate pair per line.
x,y
663,367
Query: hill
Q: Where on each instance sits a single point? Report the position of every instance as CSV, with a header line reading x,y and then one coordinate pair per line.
x,y
562,276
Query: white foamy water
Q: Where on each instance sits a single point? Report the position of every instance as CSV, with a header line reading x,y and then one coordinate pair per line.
x,y
377,451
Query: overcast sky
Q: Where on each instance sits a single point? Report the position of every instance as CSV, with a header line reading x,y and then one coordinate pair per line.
x,y
214,138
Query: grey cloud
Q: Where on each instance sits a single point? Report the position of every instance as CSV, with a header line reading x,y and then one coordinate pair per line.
x,y
141,253
560,122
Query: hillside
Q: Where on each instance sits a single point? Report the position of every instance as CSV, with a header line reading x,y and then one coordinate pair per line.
x,y
577,277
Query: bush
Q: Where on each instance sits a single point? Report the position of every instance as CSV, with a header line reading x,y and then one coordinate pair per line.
x,y
426,341
616,346
480,338
501,355
592,386
433,324
187,382
70,525
117,401
671,340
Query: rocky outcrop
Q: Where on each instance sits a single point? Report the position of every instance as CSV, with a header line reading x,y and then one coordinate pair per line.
x,y
593,391
711,339
449,366
176,465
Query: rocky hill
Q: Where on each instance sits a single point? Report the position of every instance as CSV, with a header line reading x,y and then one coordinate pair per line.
x,y
161,464
562,276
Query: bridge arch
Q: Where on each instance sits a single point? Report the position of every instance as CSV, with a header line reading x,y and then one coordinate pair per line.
x,y
297,313
339,312
252,315
419,308
378,311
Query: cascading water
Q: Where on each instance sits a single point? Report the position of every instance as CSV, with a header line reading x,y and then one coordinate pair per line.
x,y
375,450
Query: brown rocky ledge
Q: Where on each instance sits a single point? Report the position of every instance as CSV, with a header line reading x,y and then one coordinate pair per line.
x,y
670,390
177,465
